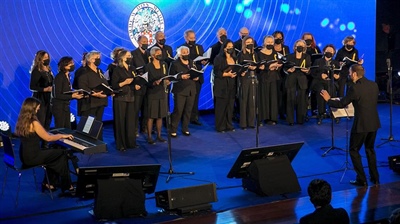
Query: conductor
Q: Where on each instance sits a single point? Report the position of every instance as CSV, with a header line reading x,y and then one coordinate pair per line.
x,y
363,93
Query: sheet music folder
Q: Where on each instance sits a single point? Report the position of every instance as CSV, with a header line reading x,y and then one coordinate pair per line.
x,y
347,111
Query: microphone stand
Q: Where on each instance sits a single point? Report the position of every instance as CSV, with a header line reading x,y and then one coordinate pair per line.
x,y
332,147
390,138
171,169
254,86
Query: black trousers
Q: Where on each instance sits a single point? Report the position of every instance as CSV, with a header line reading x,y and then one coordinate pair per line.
x,y
62,117
124,120
248,91
97,113
368,140
224,113
182,110
195,110
44,115
56,162
140,107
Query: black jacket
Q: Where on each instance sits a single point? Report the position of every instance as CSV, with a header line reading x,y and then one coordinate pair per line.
x,y
364,96
185,87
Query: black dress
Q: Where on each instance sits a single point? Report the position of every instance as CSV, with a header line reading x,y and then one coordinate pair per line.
x,y
39,81
224,94
55,160
268,90
156,95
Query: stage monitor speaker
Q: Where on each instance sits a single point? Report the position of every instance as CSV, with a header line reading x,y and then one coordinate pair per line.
x,y
187,197
271,176
119,198
394,163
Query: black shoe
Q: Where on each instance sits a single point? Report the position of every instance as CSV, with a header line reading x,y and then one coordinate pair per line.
x,y
122,149
196,122
230,129
186,133
151,141
221,131
358,183
291,124
375,182
68,194
319,122
173,134
244,129
271,123
159,139
46,187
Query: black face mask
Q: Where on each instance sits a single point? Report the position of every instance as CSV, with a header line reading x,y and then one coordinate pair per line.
x,y
161,42
128,61
278,41
185,57
72,68
158,57
46,62
223,38
250,46
97,61
299,49
349,47
328,54
269,46
192,42
230,51
308,42
144,46
243,36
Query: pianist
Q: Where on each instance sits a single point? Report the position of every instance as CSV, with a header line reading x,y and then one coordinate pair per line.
x,y
31,132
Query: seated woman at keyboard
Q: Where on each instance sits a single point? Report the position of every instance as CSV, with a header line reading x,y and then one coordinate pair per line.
x,y
31,132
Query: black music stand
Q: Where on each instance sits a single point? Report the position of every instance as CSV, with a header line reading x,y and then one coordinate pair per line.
x,y
332,146
171,169
346,112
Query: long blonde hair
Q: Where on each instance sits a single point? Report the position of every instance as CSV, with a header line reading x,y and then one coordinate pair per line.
x,y
27,115
38,61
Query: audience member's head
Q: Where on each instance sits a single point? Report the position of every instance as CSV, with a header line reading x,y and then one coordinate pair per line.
x,y
320,192
395,217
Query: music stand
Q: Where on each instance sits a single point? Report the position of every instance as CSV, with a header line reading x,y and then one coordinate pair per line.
x,y
332,147
347,112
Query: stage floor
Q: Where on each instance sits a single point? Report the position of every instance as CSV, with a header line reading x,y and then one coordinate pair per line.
x,y
210,155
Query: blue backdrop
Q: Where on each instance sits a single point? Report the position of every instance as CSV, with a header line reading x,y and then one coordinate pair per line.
x,y
71,27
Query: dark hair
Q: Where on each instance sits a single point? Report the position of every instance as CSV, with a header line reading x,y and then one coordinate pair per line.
x,y
330,45
38,61
120,56
26,116
278,32
244,44
359,69
395,217
223,46
64,61
320,192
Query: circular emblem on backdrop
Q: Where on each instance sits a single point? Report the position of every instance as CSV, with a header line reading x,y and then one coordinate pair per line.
x,y
145,19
